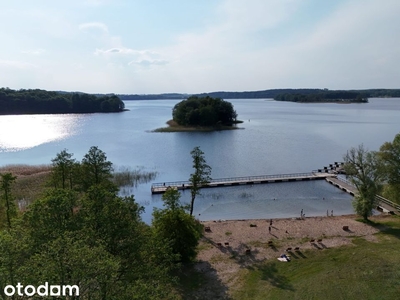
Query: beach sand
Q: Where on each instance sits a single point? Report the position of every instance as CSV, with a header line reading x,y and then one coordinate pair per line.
x,y
222,262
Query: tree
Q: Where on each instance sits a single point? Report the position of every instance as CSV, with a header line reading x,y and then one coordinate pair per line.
x,y
63,165
176,227
51,216
201,175
362,167
7,180
389,154
204,111
96,168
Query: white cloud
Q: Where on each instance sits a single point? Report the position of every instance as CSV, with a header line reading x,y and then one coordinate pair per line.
x,y
16,64
243,45
356,46
113,51
33,51
255,14
131,57
94,25
147,62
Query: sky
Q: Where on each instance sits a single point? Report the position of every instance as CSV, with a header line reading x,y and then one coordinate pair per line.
x,y
192,46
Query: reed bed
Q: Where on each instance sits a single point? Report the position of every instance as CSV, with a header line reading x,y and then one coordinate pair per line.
x,y
127,177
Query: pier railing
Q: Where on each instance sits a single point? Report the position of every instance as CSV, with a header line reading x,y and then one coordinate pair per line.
x,y
377,197
388,202
244,179
345,180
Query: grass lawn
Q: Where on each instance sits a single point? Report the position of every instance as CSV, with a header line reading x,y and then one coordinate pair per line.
x,y
365,270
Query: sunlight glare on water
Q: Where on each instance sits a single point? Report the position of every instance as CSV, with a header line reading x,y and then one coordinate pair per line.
x,y
27,131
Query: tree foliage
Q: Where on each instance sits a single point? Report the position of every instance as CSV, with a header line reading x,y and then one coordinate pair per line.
x,y
323,96
389,154
96,169
46,102
201,175
176,227
7,204
89,237
205,111
63,168
362,166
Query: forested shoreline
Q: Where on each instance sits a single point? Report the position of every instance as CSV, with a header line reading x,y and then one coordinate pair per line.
x,y
48,102
264,94
325,96
37,101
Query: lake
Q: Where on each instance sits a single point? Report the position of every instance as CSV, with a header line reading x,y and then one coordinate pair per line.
x,y
276,138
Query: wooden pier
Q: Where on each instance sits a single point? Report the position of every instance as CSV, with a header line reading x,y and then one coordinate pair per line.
x,y
343,184
384,204
159,188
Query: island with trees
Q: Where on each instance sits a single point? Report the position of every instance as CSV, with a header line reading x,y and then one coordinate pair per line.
x,y
202,114
323,96
37,101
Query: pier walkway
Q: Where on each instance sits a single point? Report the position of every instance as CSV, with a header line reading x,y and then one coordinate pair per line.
x,y
159,188
383,203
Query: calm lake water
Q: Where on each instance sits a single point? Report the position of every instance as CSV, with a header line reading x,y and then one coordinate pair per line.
x,y
277,138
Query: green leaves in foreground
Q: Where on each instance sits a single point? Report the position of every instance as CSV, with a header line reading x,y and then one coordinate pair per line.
x,y
176,227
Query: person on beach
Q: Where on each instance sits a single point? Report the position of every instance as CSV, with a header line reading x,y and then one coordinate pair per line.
x,y
270,222
269,229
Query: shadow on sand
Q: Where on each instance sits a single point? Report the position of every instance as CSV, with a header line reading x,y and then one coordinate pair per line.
x,y
200,281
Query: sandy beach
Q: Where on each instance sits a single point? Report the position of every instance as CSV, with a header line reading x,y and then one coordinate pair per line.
x,y
223,248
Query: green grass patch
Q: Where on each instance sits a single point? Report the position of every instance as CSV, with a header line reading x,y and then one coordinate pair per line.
x,y
364,270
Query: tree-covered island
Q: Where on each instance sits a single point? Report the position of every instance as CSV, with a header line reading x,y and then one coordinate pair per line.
x,y
324,96
37,101
202,114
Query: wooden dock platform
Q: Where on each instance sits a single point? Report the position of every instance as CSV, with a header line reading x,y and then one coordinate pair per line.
x,y
343,184
159,188
383,203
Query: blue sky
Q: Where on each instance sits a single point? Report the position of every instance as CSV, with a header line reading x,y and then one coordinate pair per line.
x,y
192,46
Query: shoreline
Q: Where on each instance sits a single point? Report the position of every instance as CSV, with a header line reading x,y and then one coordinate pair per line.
x,y
174,127
229,246
278,218
267,237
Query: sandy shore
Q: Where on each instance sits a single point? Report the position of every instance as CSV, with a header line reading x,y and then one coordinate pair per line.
x,y
223,261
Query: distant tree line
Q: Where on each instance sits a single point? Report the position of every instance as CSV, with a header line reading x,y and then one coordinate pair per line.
x,y
47,102
272,93
325,96
204,111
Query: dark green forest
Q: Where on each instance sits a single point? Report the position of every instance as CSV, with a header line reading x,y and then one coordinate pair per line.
x,y
46,102
204,111
81,232
325,96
